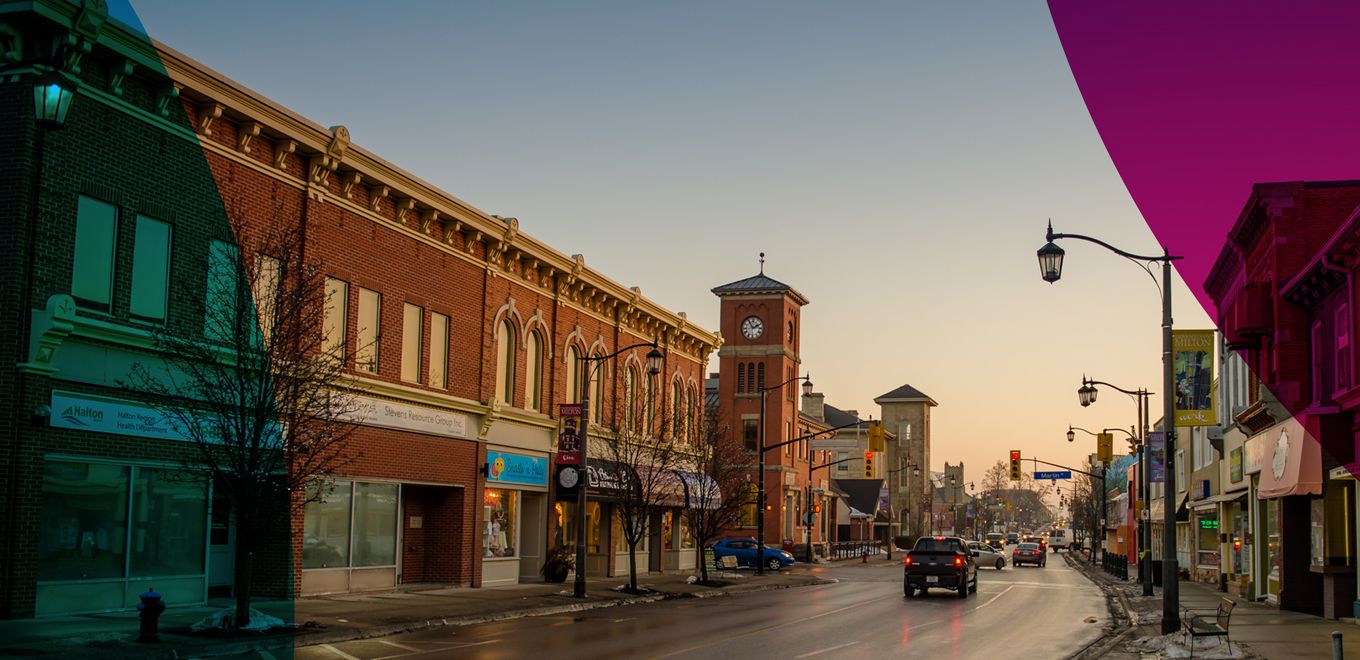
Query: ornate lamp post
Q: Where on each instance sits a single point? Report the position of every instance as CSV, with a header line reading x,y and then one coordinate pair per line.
x,y
1050,268
1087,395
655,360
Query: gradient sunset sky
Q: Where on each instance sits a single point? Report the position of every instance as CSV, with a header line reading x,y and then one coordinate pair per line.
x,y
896,161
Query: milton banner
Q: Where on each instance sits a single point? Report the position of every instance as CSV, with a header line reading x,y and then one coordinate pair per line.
x,y
1194,359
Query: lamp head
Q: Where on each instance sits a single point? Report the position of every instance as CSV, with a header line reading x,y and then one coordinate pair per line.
x,y
1050,260
1071,435
807,385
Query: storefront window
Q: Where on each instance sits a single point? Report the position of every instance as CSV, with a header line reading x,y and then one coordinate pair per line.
x,y
1207,541
84,508
1273,554
565,529
686,536
1316,529
325,529
594,528
668,529
169,514
375,524
500,514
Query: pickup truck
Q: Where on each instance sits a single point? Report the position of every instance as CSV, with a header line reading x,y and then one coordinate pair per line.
x,y
943,562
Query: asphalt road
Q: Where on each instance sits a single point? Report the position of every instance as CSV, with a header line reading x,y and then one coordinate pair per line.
x,y
1025,613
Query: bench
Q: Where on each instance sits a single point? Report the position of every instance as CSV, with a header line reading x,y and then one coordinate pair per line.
x,y
1195,624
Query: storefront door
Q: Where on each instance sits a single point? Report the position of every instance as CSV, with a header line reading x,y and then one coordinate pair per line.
x,y
533,529
221,547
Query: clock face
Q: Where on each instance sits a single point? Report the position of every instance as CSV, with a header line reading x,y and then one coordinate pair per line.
x,y
752,327
1281,455
568,477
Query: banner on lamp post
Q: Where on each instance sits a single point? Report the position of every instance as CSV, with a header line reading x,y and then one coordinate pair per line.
x,y
568,435
1193,352
1156,457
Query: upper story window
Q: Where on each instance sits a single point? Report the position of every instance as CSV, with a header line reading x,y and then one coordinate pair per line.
x,y
335,325
222,294
741,377
412,334
505,363
265,289
150,269
1343,347
750,434
439,350
679,420
630,402
596,385
760,377
533,381
92,265
573,372
649,405
366,354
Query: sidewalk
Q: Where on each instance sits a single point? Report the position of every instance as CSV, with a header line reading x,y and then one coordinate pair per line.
x,y
345,617
1257,630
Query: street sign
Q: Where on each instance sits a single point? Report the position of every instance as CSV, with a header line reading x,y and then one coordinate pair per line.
x,y
1057,474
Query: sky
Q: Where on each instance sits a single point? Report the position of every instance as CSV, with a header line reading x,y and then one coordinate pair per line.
x,y
896,161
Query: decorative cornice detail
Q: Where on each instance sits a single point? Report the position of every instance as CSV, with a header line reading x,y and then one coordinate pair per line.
x,y
120,73
167,94
282,149
376,194
207,113
350,182
245,133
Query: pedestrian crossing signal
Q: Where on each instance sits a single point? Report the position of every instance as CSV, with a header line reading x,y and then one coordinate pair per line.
x,y
1015,465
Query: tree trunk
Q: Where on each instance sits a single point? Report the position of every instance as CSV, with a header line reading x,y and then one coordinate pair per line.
x,y
244,570
632,567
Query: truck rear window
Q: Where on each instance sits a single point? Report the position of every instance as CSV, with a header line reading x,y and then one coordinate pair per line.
x,y
932,545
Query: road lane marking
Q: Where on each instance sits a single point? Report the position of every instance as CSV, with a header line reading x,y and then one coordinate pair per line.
x,y
993,600
338,652
400,646
833,648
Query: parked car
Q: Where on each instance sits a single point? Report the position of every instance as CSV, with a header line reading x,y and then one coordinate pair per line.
x,y
943,562
996,540
746,549
1029,553
986,555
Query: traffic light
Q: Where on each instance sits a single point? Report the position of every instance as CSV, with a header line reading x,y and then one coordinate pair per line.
x,y
1015,465
876,437
817,508
1105,447
868,465
1133,446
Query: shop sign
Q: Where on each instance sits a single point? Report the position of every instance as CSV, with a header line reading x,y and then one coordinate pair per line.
x,y
83,412
1235,464
1193,352
1208,523
390,414
507,468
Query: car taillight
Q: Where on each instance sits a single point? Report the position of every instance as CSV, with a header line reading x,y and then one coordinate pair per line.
x,y
906,561
958,561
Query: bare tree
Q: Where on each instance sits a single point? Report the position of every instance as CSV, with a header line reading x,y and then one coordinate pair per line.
x,y
716,503
644,480
253,387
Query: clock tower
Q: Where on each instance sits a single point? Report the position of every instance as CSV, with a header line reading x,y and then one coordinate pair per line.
x,y
760,324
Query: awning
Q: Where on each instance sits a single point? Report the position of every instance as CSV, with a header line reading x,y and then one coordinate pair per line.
x,y
693,490
1211,502
1293,462
1158,508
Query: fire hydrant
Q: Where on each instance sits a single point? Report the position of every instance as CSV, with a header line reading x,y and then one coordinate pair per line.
x,y
150,609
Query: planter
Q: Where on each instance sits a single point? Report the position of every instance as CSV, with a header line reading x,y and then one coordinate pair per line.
x,y
558,565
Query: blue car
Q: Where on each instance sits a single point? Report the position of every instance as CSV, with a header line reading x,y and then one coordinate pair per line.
x,y
745,550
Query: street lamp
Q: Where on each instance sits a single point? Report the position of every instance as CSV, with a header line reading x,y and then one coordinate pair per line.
x,y
1140,401
760,497
655,361
1050,268
52,96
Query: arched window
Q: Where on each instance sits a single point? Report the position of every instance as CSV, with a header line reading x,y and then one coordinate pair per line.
x,y
692,414
679,422
505,364
630,383
596,393
741,377
533,381
573,382
649,406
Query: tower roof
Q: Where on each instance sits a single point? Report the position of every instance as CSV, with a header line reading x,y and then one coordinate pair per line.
x,y
905,393
757,285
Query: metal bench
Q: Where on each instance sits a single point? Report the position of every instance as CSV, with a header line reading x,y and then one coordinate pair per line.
x,y
1195,624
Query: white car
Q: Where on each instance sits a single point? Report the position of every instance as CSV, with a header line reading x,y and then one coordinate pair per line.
x,y
1059,539
986,555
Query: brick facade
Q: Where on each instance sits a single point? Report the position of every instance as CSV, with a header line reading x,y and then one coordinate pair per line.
x,y
178,141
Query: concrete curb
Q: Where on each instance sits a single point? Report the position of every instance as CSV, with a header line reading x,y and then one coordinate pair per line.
x,y
352,634
1122,628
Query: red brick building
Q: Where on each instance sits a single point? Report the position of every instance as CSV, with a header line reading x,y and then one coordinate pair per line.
x,y
465,334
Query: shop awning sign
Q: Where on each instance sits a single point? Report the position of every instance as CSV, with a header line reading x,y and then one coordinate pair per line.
x,y
507,468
